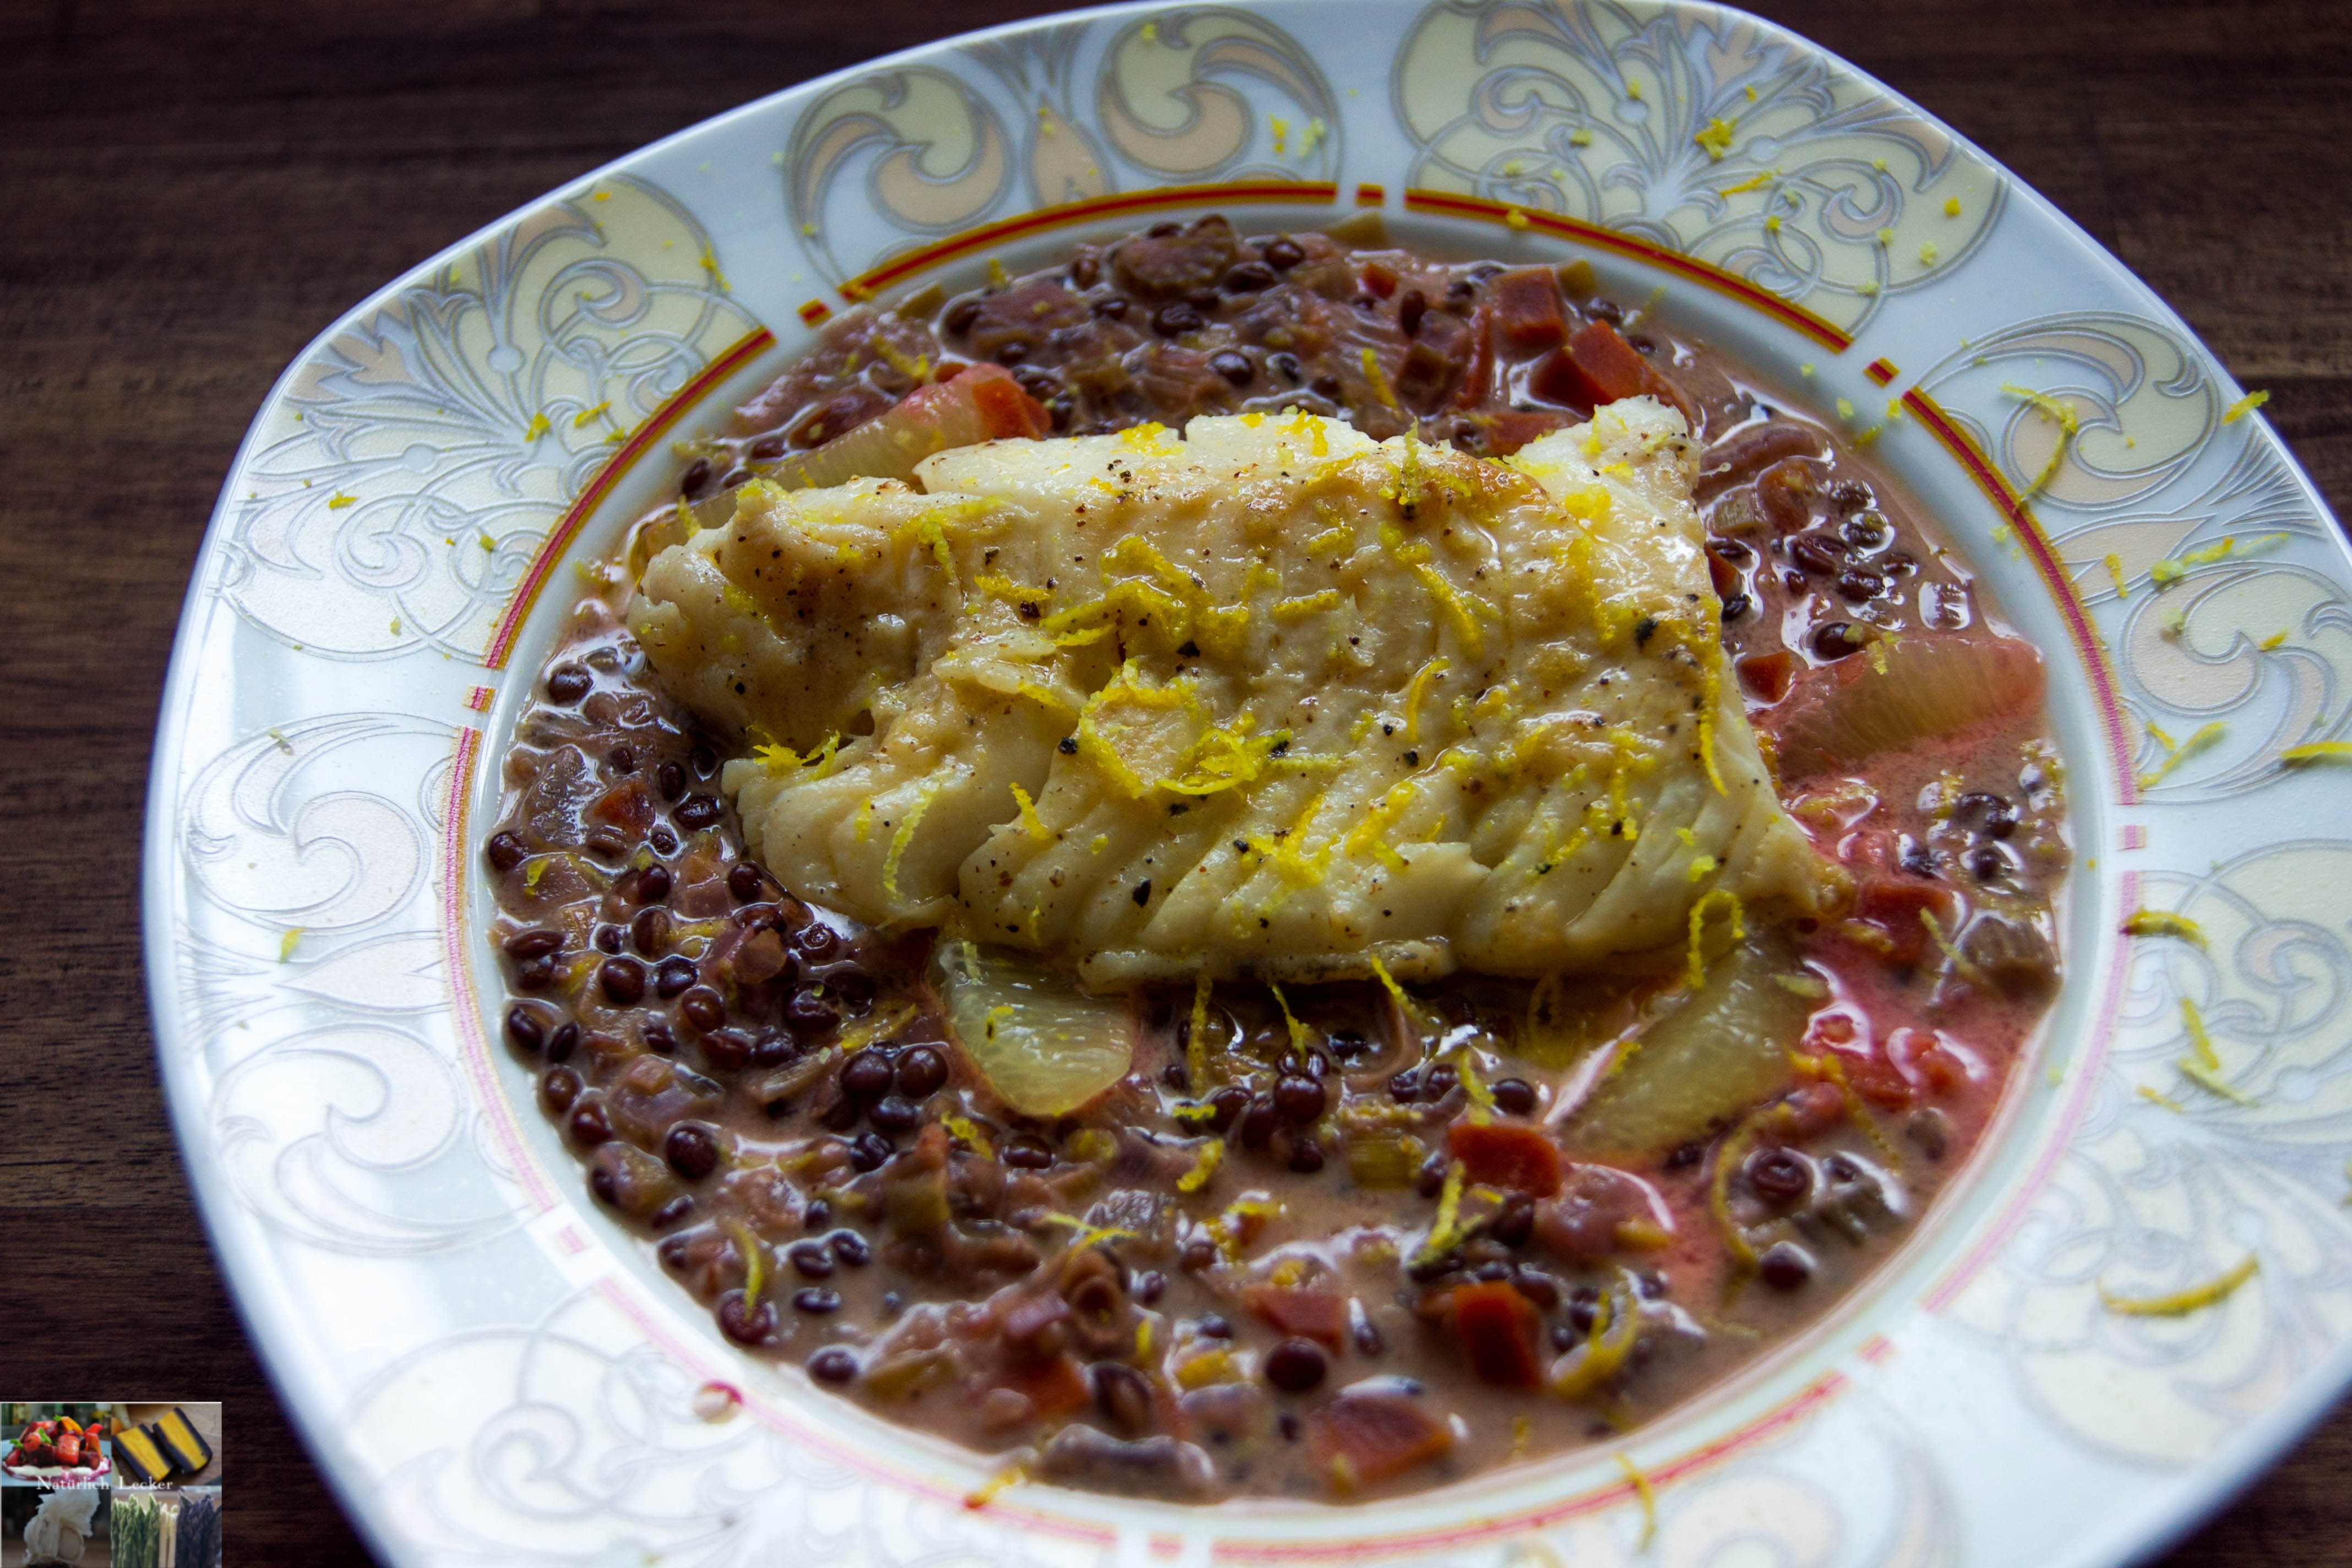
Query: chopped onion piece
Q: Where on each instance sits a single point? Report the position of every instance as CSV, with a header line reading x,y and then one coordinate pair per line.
x,y
983,404
1702,1062
1896,694
1044,1046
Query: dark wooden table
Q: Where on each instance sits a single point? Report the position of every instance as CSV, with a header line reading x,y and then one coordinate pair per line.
x,y
191,191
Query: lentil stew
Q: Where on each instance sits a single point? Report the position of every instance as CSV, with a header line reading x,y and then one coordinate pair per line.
x,y
1333,1241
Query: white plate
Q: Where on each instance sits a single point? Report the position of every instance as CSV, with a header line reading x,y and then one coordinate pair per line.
x,y
491,1370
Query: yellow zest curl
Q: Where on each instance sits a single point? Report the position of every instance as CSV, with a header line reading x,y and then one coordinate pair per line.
x,y
2158,922
2067,421
1718,898
1649,1496
1204,1166
2181,1303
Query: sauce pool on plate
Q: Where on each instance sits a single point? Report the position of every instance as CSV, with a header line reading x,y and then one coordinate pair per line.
x,y
1339,1238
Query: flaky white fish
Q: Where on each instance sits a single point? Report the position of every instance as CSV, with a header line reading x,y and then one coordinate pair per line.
x,y
1268,699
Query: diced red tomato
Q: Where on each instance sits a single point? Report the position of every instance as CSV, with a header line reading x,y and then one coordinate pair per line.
x,y
1906,691
1767,677
1814,1109
1007,409
625,808
1380,1432
1511,429
1785,493
1600,1208
1498,1328
1927,1062
1517,1159
1747,452
1839,1028
1942,1070
1528,309
1318,1315
763,957
1597,366
1472,389
1379,279
1877,1080
1894,905
1055,1386
1026,1319
1722,575
1868,850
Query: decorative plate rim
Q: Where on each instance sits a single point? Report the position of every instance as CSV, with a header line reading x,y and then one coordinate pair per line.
x,y
269,1313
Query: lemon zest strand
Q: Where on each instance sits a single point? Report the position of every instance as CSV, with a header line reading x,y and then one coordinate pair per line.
x,y
755,1261
1442,1234
1012,1475
1367,835
1719,897
2199,1038
1030,821
2181,1304
1396,991
1418,688
1649,1496
1085,1235
1298,1036
1606,1345
1952,955
1718,1190
1711,697
2159,922
2201,741
1204,1166
905,837
1196,1044
2206,1079
963,1127
2067,421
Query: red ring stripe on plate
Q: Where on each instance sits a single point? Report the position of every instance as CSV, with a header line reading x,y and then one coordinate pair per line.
x,y
1307,192
640,441
1826,333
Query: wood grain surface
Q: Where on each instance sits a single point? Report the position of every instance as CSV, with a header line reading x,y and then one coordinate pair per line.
x,y
189,192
